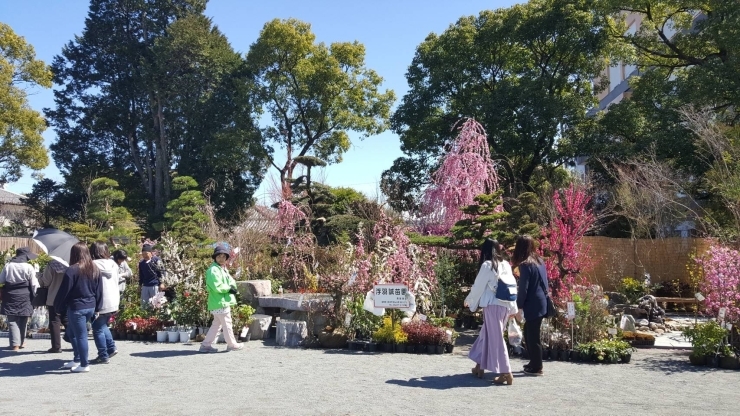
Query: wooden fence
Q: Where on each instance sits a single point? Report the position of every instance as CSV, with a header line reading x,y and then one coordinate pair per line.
x,y
664,259
18,242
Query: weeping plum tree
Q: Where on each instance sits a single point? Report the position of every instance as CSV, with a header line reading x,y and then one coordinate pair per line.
x,y
465,172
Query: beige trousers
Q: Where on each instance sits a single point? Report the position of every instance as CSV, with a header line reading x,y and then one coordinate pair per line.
x,y
220,320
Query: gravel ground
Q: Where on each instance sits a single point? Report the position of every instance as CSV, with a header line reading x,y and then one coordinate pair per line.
x,y
262,379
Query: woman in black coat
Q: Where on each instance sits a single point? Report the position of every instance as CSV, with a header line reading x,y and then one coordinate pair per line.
x,y
531,298
19,284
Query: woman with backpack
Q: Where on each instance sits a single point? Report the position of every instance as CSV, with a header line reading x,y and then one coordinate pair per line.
x,y
495,291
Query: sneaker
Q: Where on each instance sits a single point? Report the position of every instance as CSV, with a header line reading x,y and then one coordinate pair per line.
x,y
203,348
54,350
81,369
71,364
530,372
236,347
112,354
99,360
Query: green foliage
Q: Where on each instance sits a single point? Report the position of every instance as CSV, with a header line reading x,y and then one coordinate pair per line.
x,y
363,323
390,332
241,317
41,202
314,93
103,207
632,289
185,216
449,281
21,143
706,338
606,350
524,72
149,87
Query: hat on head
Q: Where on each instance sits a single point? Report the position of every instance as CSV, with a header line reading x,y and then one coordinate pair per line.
x,y
23,254
146,248
220,249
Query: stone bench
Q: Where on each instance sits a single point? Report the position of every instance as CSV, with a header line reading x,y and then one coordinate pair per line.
x,y
260,326
291,333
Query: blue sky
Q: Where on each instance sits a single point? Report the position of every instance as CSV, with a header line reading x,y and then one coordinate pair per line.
x,y
390,31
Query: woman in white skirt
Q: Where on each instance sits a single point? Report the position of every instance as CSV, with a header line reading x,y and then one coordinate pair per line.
x,y
489,351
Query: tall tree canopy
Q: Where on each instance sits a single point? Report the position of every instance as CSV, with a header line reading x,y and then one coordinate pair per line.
x,y
21,143
151,86
314,93
687,54
525,73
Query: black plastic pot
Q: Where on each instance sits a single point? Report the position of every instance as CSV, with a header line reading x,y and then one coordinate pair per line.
x,y
545,353
713,361
431,349
626,358
698,359
449,348
410,349
386,347
372,347
565,355
439,349
401,348
129,337
574,356
729,363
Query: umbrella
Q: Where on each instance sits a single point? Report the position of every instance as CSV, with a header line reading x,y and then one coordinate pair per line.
x,y
56,243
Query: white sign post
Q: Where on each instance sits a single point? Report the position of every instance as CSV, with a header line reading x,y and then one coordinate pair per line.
x,y
391,296
722,313
571,311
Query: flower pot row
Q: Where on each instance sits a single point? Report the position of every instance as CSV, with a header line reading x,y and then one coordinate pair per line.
x,y
716,361
369,346
582,356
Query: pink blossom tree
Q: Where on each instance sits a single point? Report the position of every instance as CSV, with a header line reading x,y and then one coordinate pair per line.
x,y
566,254
465,171
720,284
300,244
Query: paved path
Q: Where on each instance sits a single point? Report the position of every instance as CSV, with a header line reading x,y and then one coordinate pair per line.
x,y
173,379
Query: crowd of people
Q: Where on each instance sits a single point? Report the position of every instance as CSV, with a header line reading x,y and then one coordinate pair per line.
x,y
88,290
497,291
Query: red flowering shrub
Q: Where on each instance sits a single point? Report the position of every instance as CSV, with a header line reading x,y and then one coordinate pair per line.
x,y
424,333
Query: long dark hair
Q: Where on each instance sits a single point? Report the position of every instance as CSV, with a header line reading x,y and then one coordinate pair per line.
x,y
489,252
80,255
99,250
525,251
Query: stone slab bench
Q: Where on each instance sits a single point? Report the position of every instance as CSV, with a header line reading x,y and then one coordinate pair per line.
x,y
260,326
291,333
675,300
292,301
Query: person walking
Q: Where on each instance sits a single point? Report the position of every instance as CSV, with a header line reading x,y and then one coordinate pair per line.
x,y
531,298
81,294
111,301
221,289
150,275
494,290
19,284
52,279
124,271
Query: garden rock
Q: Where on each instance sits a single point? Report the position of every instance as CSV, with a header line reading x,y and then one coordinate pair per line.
x,y
334,339
643,322
252,290
628,323
291,333
260,326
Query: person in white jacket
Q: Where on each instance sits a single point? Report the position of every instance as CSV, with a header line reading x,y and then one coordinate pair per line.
x,y
111,300
489,351
124,271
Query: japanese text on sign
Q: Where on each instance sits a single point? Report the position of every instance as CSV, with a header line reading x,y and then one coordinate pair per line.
x,y
391,296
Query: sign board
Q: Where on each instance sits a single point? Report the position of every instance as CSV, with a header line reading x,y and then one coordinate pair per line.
x,y
612,331
347,319
722,313
391,296
571,310
699,296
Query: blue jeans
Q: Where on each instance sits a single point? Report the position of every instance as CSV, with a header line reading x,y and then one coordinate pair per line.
x,y
103,338
78,335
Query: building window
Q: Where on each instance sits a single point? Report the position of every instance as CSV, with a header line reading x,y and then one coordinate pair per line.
x,y
629,69
615,76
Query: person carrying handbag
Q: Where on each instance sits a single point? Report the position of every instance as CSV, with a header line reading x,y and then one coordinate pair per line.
x,y
495,291
19,285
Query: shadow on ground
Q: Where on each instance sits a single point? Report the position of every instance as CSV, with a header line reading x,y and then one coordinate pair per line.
x,y
673,364
33,368
443,382
164,354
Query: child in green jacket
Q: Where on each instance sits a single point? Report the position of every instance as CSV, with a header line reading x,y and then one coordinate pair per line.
x,y
221,290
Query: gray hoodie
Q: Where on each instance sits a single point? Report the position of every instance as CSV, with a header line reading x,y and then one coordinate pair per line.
x,y
109,275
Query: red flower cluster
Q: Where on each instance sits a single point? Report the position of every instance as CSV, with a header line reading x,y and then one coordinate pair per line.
x,y
424,333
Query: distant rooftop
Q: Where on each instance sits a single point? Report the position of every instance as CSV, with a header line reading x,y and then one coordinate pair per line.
x,y
7,197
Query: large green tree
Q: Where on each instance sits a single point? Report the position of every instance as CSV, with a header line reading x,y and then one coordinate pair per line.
x,y
41,202
315,94
21,143
525,73
149,87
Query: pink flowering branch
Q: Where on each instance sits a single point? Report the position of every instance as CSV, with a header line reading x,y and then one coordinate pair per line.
x,y
720,284
567,255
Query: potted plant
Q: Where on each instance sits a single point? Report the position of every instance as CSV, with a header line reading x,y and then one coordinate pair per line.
x,y
706,340
727,358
